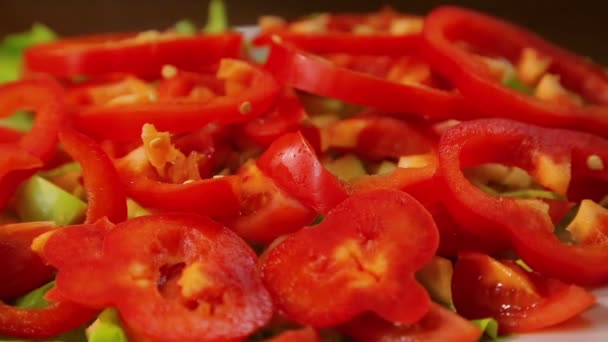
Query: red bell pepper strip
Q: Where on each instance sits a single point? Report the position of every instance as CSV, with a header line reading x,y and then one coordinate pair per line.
x,y
445,27
266,211
310,73
173,277
23,270
519,300
105,191
9,135
293,165
439,324
45,98
338,34
369,247
46,322
142,54
181,114
553,157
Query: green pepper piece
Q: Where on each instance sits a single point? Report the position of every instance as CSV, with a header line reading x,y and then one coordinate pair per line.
x,y
21,121
185,26
107,328
488,326
134,209
436,277
40,200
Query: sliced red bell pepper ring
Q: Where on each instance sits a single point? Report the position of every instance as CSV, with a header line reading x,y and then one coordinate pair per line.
x,y
445,27
105,192
369,247
176,277
266,211
23,270
439,324
142,54
339,34
553,157
310,73
45,98
293,165
519,300
180,114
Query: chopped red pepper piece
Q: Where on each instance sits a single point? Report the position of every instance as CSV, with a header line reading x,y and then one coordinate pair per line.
x,y
258,96
105,192
45,98
23,269
301,335
445,28
266,211
519,300
293,165
142,54
438,325
310,73
369,247
172,277
553,157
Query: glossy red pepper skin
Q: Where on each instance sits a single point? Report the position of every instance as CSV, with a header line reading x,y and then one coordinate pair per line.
x,y
126,53
306,72
50,321
46,98
293,165
519,300
105,192
179,114
553,157
369,247
446,25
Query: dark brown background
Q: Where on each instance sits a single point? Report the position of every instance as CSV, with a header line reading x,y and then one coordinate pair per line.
x,y
580,25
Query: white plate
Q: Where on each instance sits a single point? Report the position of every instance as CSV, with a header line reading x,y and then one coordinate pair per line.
x,y
592,326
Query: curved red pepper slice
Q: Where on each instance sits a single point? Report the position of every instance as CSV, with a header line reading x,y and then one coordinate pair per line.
x,y
553,157
105,191
266,211
519,300
293,165
50,321
180,114
438,325
23,270
369,247
340,34
446,26
286,117
173,277
45,98
310,73
142,54
217,197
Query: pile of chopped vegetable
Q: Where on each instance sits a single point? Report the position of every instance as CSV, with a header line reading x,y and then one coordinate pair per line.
x,y
375,177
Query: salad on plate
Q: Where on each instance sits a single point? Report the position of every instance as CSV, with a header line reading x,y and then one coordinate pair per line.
x,y
340,177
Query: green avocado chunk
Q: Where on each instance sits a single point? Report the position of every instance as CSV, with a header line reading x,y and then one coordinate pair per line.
x,y
40,200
